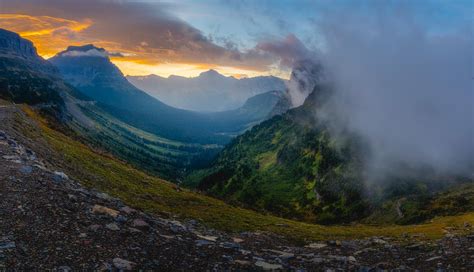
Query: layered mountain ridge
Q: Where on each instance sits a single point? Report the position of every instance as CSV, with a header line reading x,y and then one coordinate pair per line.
x,y
90,70
210,91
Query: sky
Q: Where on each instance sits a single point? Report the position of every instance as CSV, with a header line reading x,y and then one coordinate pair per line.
x,y
236,38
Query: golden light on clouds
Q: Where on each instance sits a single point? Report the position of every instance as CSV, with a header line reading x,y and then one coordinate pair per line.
x,y
181,69
51,35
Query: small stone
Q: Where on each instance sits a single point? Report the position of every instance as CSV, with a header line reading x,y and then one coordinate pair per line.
x,y
121,219
282,254
95,227
112,226
200,243
242,262
104,210
414,246
230,245
268,266
59,176
209,238
379,241
134,230
82,235
316,245
434,258
122,264
141,224
352,259
237,240
228,258
103,196
72,197
127,210
26,169
64,268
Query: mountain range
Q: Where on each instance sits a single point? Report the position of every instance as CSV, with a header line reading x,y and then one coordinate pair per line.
x,y
210,91
90,70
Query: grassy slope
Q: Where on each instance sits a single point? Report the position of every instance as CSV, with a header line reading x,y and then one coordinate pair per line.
x,y
158,196
288,168
159,156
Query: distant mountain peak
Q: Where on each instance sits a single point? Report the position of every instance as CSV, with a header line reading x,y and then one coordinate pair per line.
x,y
88,50
211,73
84,48
209,91
93,63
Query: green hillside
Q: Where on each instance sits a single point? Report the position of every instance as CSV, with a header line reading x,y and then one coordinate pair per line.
x,y
166,158
292,166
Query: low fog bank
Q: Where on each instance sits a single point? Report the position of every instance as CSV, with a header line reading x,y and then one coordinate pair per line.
x,y
407,91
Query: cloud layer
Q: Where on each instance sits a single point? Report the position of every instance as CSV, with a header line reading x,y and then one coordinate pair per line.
x,y
409,92
146,32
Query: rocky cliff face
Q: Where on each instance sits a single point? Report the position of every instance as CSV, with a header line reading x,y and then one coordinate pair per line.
x,y
12,43
25,77
18,51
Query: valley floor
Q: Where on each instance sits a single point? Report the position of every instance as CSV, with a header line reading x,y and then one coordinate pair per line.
x,y
48,220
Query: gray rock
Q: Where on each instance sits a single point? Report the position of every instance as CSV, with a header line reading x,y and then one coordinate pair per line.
x,y
434,258
127,210
112,226
230,245
268,266
140,223
200,243
317,245
26,169
64,268
95,227
379,241
121,219
59,176
122,264
134,230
